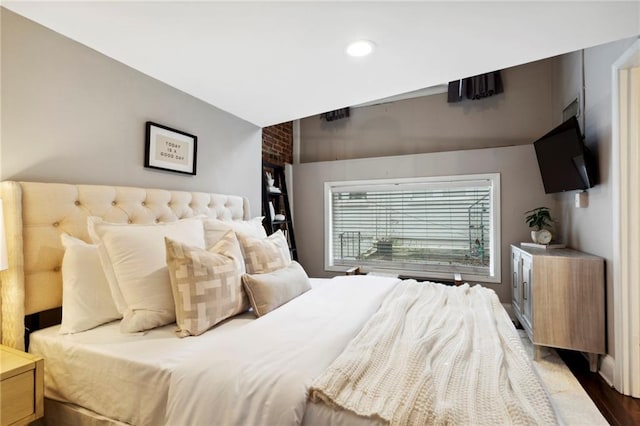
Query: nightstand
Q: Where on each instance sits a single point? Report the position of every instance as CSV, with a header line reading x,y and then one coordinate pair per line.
x,y
22,387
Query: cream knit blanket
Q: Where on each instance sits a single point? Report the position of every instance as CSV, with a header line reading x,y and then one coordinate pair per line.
x,y
435,354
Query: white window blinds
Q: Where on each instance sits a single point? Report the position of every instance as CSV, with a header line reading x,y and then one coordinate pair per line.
x,y
430,227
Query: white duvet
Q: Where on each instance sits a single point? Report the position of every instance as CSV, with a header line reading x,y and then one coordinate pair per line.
x,y
261,375
246,371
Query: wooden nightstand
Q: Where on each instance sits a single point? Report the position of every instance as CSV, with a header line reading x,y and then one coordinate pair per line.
x,y
22,387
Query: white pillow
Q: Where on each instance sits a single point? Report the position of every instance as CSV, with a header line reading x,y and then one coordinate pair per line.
x,y
134,261
86,297
214,229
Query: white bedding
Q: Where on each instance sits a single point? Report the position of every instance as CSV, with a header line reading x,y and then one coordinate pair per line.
x,y
245,371
124,377
156,378
437,354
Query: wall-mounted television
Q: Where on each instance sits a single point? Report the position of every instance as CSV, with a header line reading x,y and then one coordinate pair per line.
x,y
565,162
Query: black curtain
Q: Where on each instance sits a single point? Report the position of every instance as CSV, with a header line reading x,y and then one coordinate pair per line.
x,y
477,87
337,114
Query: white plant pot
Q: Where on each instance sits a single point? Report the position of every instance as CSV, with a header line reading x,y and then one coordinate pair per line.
x,y
534,236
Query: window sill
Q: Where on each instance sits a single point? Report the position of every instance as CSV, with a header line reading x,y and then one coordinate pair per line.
x,y
420,275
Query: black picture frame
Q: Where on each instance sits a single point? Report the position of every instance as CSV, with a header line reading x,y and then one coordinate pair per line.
x,y
170,149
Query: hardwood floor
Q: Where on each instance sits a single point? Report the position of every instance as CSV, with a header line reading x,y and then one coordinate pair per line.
x,y
616,408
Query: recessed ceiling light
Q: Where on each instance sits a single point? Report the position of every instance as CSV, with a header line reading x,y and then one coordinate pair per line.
x,y
360,48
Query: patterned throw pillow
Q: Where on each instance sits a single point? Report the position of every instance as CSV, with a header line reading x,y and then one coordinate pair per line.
x,y
263,255
206,284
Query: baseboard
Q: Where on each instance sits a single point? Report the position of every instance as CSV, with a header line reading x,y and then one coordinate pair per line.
x,y
607,366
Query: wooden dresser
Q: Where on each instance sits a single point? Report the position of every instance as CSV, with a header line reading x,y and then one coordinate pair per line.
x,y
22,387
558,296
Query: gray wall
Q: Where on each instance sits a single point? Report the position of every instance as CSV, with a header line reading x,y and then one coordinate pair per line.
x,y
590,229
429,124
521,190
71,114
429,137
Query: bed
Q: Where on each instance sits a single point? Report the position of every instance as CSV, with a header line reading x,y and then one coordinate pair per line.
x,y
349,350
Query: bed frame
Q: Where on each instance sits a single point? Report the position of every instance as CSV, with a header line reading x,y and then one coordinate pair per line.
x,y
36,214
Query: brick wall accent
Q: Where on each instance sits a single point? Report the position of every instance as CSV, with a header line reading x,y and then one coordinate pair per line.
x,y
277,143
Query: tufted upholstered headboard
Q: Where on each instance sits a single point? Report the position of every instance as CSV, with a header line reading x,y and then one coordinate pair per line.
x,y
36,214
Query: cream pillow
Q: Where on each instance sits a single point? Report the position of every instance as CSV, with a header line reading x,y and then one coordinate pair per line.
x,y
214,229
86,297
268,291
134,261
206,284
262,255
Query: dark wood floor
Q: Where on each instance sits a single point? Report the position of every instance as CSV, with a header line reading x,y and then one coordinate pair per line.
x,y
616,408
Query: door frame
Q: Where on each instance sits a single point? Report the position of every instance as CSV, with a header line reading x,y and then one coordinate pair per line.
x,y
626,216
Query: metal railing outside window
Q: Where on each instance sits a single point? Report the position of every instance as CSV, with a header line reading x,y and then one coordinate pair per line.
x,y
425,226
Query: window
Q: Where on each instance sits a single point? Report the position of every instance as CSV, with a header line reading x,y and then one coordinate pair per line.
x,y
428,227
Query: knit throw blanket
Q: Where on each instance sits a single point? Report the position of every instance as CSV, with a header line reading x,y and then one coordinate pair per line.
x,y
441,355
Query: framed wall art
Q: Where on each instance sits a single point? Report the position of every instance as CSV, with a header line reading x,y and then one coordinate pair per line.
x,y
170,149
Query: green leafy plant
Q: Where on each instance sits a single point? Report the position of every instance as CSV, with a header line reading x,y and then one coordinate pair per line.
x,y
538,218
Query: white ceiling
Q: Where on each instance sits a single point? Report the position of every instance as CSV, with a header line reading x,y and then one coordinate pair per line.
x,y
270,62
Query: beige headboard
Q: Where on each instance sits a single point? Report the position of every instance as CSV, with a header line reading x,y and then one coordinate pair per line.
x,y
37,213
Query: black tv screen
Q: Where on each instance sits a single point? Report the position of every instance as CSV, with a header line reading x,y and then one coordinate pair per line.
x,y
565,163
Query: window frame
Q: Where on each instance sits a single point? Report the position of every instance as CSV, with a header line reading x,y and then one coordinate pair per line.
x,y
495,243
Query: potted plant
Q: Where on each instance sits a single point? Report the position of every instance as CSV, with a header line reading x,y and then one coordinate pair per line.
x,y
539,219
